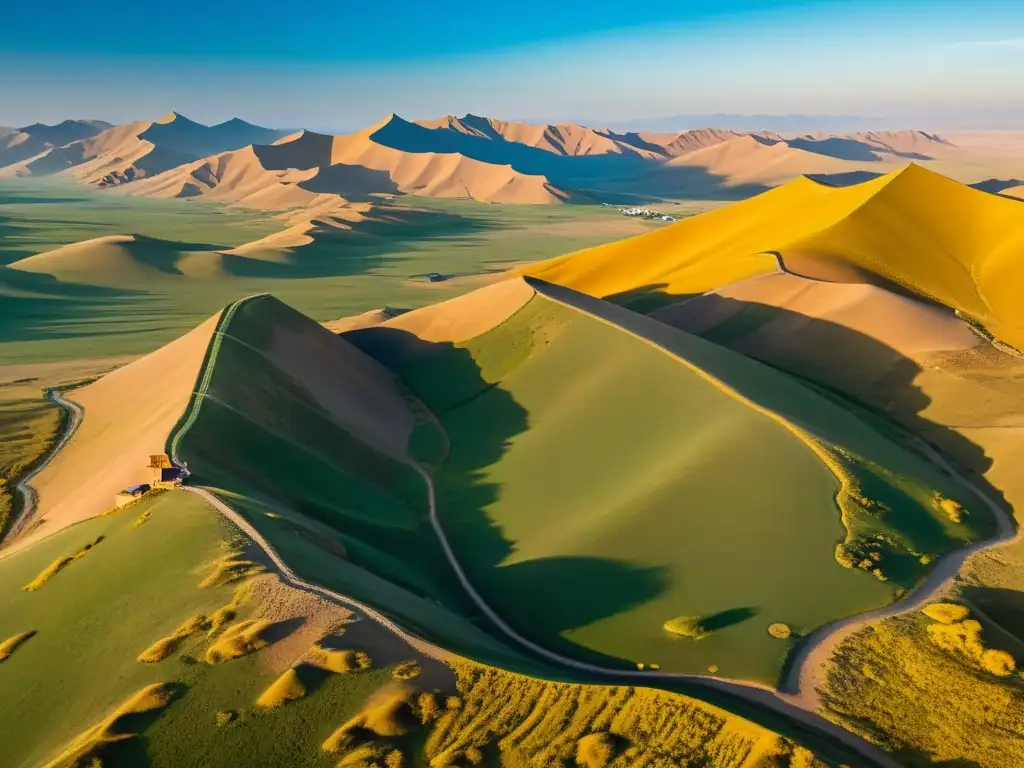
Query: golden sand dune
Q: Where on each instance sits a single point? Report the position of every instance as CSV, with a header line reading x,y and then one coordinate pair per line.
x,y
856,332
128,415
368,319
1015,192
912,227
466,316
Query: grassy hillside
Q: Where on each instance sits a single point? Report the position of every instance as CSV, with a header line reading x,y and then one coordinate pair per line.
x,y
619,489
83,628
915,228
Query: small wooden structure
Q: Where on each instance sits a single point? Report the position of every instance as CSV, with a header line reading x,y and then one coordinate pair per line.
x,y
130,494
163,472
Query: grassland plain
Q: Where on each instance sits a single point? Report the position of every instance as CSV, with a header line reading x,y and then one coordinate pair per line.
x,y
522,447
382,264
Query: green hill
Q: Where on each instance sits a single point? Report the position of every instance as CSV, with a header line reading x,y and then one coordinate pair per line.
x,y
608,473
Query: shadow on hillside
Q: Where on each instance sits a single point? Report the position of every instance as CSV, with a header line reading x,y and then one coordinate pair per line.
x,y
578,591
384,240
611,177
1003,606
845,178
39,307
855,368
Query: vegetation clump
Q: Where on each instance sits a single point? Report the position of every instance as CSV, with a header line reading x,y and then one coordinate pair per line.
x,y
224,717
59,564
339,661
229,569
964,638
238,640
952,509
387,713
165,646
945,613
407,670
288,687
687,626
88,748
780,631
595,750
8,646
868,553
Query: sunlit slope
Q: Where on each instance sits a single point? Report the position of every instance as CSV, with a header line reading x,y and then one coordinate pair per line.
x,y
930,234
598,486
128,415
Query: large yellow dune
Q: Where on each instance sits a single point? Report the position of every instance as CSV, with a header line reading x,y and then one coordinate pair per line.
x,y
930,234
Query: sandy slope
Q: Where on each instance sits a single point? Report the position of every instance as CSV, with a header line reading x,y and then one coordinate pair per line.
x,y
308,168
134,150
465,316
913,227
357,392
19,144
748,159
1016,192
849,335
128,415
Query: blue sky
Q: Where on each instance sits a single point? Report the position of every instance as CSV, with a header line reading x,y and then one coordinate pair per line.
x,y
335,64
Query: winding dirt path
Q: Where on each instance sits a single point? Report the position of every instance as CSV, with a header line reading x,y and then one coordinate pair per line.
x,y
808,666
29,497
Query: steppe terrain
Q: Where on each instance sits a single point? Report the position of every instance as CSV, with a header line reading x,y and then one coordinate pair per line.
x,y
474,469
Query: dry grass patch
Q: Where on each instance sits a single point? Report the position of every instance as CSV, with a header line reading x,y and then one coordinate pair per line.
x,y
238,640
59,564
8,646
780,631
595,750
339,661
687,626
945,613
165,646
387,713
893,685
123,724
229,569
407,670
288,687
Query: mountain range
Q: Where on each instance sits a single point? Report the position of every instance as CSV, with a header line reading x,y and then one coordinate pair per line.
x,y
474,157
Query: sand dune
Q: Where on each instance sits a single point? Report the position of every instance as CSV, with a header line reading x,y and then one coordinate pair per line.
x,y
913,227
854,332
128,415
1016,192
307,168
465,316
20,144
750,159
135,150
